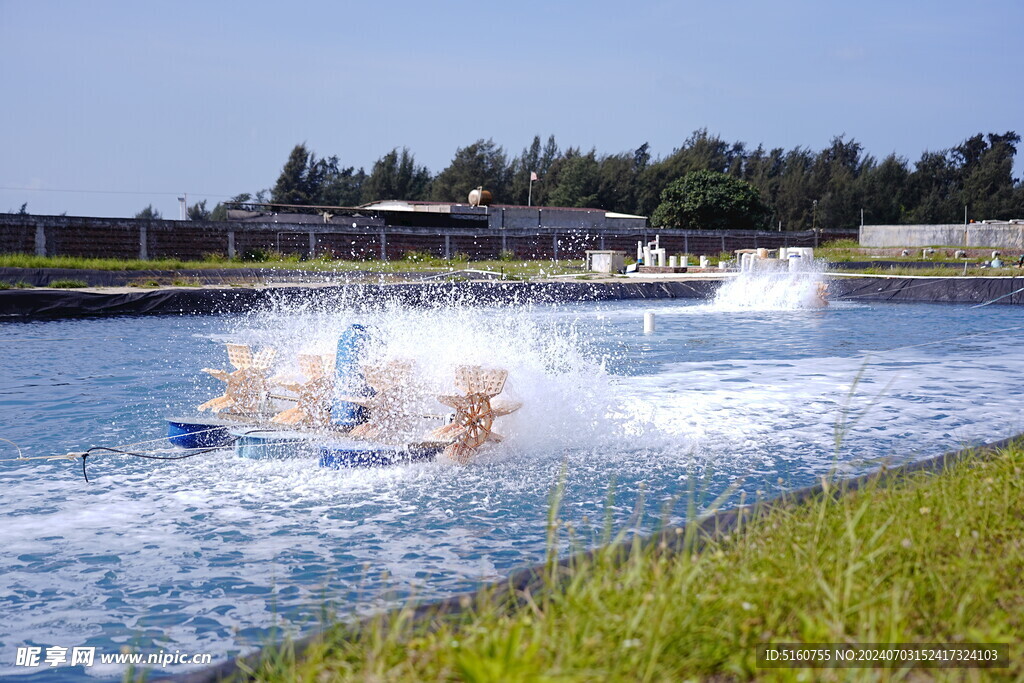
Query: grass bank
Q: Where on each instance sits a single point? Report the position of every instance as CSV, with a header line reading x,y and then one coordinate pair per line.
x,y
413,262
937,271
924,559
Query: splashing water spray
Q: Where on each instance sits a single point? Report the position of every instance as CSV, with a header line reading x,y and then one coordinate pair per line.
x,y
793,281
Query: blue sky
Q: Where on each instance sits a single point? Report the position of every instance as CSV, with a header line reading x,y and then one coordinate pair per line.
x,y
132,103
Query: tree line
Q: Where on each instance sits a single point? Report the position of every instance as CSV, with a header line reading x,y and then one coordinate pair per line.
x,y
796,189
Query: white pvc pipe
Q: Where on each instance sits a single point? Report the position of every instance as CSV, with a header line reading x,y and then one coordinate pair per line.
x,y
648,322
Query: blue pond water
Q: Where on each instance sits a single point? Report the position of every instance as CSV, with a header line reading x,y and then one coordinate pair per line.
x,y
209,554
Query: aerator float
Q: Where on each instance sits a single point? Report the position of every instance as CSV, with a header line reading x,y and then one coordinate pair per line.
x,y
343,411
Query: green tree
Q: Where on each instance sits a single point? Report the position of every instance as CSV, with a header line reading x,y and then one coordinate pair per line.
x,y
700,151
935,189
479,164
294,185
573,180
794,198
306,180
619,179
710,200
884,191
220,212
331,184
834,182
149,213
987,170
396,176
198,212
520,169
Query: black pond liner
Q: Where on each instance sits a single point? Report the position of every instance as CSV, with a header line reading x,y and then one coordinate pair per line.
x,y
57,303
672,539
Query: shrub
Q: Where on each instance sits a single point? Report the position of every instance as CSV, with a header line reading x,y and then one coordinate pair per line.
x,y
415,256
256,255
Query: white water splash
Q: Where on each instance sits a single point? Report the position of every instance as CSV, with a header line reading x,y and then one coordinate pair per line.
x,y
768,286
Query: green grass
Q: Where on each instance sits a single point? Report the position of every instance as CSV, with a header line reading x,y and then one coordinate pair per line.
x,y
30,261
927,558
414,262
841,244
68,284
940,271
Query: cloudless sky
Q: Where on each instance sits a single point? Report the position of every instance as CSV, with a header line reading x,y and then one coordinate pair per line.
x,y
130,103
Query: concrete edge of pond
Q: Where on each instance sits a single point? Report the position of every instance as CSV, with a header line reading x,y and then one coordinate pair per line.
x,y
671,539
70,303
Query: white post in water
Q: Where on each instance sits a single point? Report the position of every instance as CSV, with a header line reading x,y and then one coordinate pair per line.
x,y
648,322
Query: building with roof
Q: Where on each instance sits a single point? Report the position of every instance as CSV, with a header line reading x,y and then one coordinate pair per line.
x,y
423,214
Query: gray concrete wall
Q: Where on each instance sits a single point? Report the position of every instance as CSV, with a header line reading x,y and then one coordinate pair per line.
x,y
1001,235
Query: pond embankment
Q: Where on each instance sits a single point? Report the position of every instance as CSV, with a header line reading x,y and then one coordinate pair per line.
x,y
902,559
215,299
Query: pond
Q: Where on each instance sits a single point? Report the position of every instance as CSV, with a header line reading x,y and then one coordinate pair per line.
x,y
211,553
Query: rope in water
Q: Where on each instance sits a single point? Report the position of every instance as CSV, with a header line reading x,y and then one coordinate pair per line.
x,y
147,456
845,297
998,298
956,338
20,456
925,284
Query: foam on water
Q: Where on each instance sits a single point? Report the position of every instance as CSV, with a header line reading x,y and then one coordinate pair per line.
x,y
208,554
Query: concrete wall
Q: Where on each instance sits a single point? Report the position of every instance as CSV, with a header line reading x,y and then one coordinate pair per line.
x,y
1002,235
193,240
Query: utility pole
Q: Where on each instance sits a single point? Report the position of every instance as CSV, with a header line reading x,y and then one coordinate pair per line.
x,y
814,222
